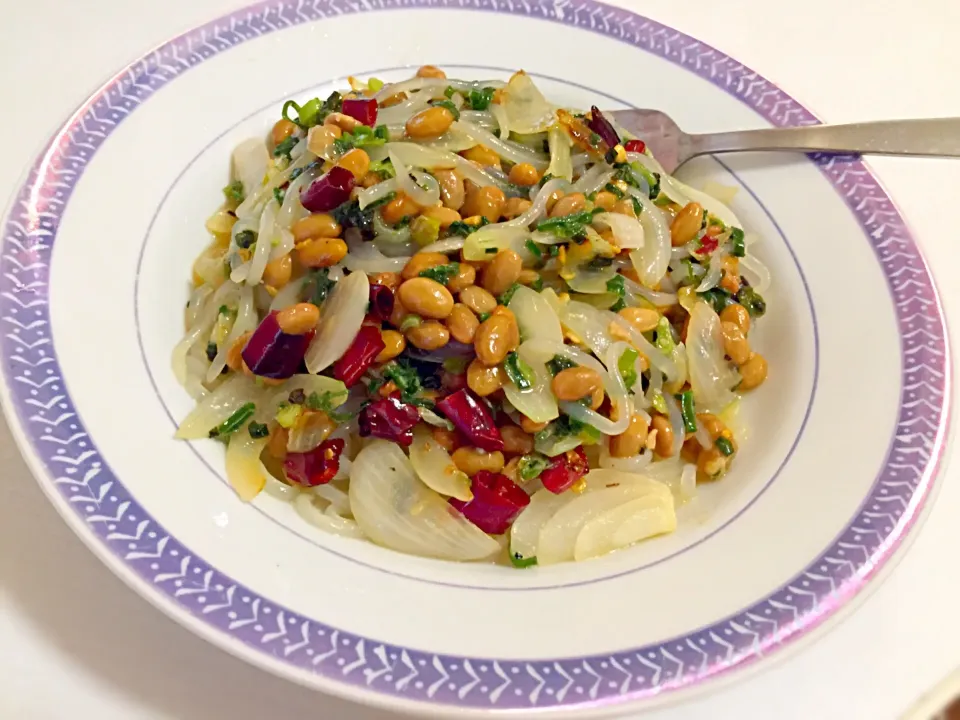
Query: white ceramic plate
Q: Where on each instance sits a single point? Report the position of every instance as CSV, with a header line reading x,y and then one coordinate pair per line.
x,y
843,442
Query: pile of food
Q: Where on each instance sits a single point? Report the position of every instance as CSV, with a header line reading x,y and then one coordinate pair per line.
x,y
459,321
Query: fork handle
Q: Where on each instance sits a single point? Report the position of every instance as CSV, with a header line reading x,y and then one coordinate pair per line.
x,y
935,136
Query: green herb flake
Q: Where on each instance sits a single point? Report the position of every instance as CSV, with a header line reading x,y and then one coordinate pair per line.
x,y
461,228
481,99
285,147
637,207
724,446
547,177
383,168
234,192
617,192
245,238
568,226
664,337
235,421
441,273
507,295
278,194
449,92
451,108
617,285
688,411
519,372
530,466
537,284
518,561
718,299
483,317
317,286
211,351
659,403
752,301
405,378
258,430
558,363
362,136
627,367
327,402
533,248
738,247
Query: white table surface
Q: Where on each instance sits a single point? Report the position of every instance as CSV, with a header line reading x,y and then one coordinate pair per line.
x,y
75,642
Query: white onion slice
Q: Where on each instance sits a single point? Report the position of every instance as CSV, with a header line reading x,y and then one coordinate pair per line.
x,y
304,504
413,155
261,254
537,403
496,237
627,231
525,531
527,109
714,274
499,114
218,406
539,206
246,320
340,321
435,468
288,295
688,482
292,209
245,472
507,150
397,511
652,259
561,161
377,192
426,195
449,245
593,179
756,272
366,258
250,159
711,375
535,315
631,522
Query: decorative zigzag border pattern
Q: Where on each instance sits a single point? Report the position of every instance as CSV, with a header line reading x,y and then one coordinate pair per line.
x,y
48,417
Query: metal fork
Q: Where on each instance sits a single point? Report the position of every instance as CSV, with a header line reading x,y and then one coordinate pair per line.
x,y
672,147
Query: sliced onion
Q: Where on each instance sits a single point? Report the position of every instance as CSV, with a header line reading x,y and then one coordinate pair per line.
x,y
652,259
593,179
676,423
538,402
660,299
390,235
590,324
401,112
561,164
712,278
527,109
246,320
450,141
413,155
265,237
377,192
592,282
398,511
627,231
288,295
337,498
525,531
535,315
500,115
306,508
250,160
539,206
657,359
292,209
449,245
201,327
635,464
631,522
711,375
688,482
235,391
245,472
496,237
508,151
425,191
364,257
756,272
435,468
557,541
342,315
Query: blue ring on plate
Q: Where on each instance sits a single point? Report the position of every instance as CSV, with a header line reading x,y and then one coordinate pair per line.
x,y
87,486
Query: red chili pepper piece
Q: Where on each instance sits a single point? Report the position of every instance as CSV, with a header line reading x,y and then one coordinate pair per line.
x,y
602,127
362,109
381,301
272,353
317,467
359,356
451,382
637,146
389,418
328,191
708,243
471,418
564,470
497,501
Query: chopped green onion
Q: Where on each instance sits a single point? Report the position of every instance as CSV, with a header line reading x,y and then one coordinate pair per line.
x,y
235,421
383,168
287,415
405,378
285,147
530,467
481,99
425,230
449,92
537,284
617,285
258,430
375,84
534,250
627,367
611,188
234,192
409,322
739,248
483,317
724,446
519,372
664,337
449,106
718,298
659,403
518,561
459,227
558,363
507,295
362,136
637,207
752,301
441,273
688,412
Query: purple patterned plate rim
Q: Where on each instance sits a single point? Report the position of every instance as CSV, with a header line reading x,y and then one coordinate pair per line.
x,y
124,535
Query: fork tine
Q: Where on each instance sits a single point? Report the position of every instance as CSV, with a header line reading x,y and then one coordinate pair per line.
x,y
658,130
